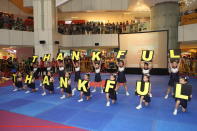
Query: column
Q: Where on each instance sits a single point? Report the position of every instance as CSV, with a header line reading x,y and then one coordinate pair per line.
x,y
165,16
45,27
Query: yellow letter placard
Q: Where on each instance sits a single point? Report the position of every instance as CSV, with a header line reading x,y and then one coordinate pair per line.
x,y
82,85
60,56
46,57
178,92
121,54
34,58
109,84
28,79
45,80
63,82
147,55
96,56
175,54
75,55
142,90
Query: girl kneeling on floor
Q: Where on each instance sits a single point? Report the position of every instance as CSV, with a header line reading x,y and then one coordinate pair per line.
x,y
110,89
48,85
85,91
66,88
145,98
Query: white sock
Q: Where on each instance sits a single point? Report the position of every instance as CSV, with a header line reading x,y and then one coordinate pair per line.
x,y
127,93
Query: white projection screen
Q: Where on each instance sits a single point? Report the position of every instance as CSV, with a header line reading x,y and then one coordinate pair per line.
x,y
137,42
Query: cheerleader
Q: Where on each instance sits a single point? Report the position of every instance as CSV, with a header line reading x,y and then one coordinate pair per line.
x,y
41,66
35,71
77,74
174,76
121,76
146,67
97,67
87,94
146,98
14,81
186,90
48,67
31,85
68,88
49,87
19,82
112,92
60,70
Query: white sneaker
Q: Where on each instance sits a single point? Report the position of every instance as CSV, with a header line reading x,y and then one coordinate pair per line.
x,y
40,84
94,90
151,95
58,87
73,91
44,94
37,89
101,91
127,93
139,107
166,97
63,97
175,112
15,89
108,103
27,92
80,100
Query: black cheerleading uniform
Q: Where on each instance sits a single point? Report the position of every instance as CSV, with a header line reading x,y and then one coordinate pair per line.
x,y
174,77
19,83
32,85
88,90
112,92
185,90
48,69
61,71
49,87
35,72
97,75
121,75
147,97
68,88
77,74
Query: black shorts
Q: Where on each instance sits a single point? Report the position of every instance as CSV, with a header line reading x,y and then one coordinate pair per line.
x,y
67,90
112,95
32,85
87,93
49,87
183,103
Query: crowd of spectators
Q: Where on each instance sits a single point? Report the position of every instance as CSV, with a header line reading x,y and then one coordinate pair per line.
x,y
12,22
101,28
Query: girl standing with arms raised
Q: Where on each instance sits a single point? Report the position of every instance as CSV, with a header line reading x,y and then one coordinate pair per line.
x,y
121,76
174,75
77,74
97,80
